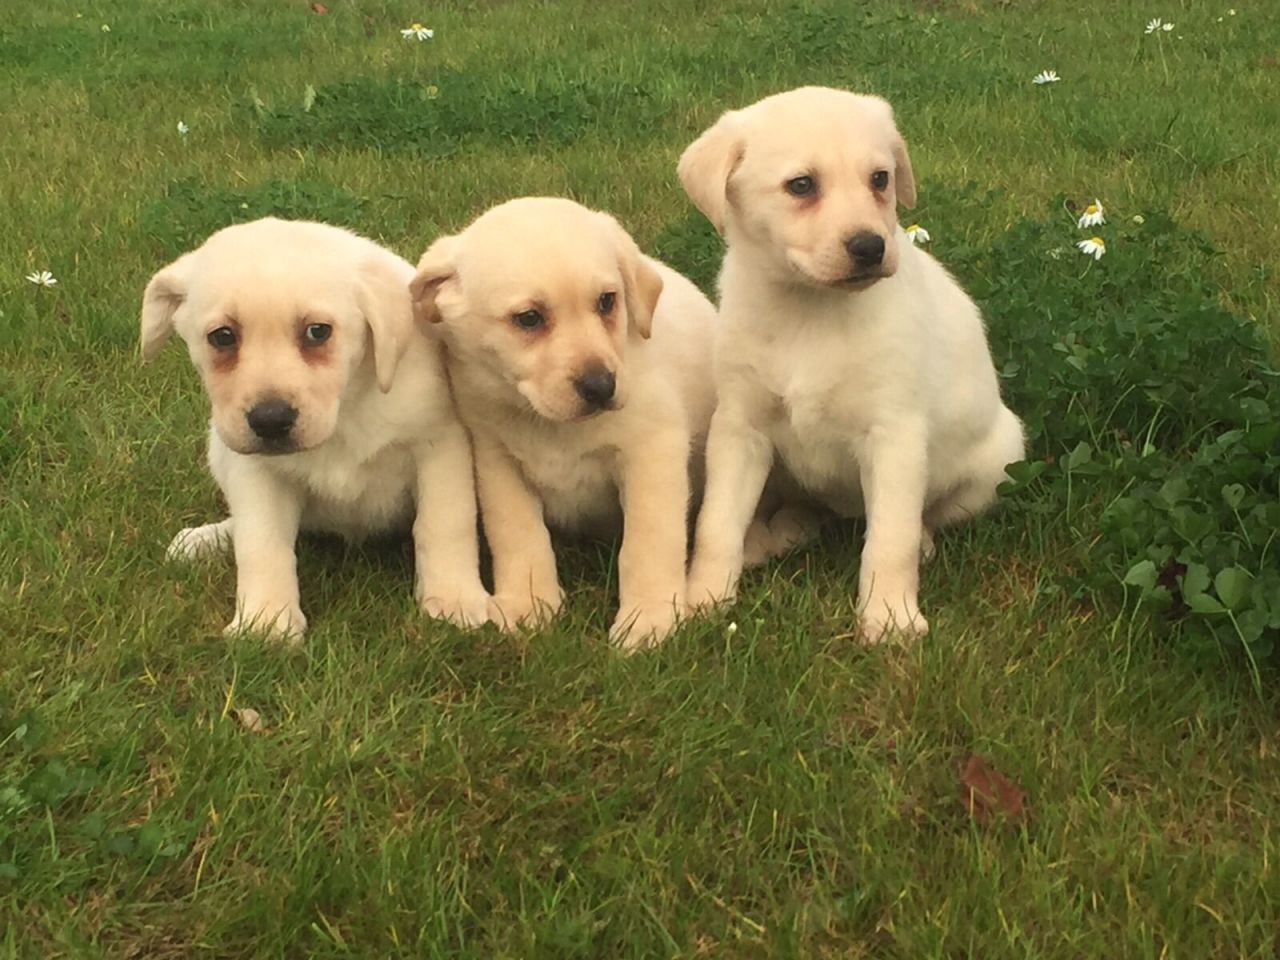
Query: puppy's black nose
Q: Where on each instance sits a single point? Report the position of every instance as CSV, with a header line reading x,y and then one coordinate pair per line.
x,y
866,248
596,386
271,419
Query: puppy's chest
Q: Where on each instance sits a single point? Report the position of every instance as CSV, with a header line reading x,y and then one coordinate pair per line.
x,y
358,497
820,390
576,483
824,404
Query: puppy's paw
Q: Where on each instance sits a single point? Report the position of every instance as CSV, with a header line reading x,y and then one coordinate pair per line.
x,y
196,543
790,527
285,626
463,606
927,548
514,612
881,619
793,526
642,626
757,545
711,584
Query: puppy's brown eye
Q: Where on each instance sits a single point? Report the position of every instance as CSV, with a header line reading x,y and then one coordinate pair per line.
x,y
802,186
606,303
223,338
528,319
880,179
316,334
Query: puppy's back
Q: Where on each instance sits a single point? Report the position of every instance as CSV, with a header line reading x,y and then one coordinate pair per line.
x,y
684,333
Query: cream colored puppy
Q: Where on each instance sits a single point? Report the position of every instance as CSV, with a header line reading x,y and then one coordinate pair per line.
x,y
849,354
329,412
582,369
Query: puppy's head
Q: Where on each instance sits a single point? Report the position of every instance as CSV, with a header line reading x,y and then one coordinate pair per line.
x,y
810,180
283,320
539,296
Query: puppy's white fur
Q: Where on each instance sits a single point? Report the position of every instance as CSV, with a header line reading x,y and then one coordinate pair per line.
x,y
873,384
376,445
545,457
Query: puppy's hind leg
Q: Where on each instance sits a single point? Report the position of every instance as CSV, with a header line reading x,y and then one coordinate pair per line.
x,y
197,543
792,525
757,545
977,491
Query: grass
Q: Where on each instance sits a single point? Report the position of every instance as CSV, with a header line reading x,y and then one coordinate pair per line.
x,y
774,790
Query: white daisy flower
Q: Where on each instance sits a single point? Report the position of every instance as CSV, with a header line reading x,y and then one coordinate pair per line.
x,y
1153,26
1139,219
1093,247
918,234
183,129
1046,76
417,31
1167,28
43,278
1093,215
106,28
1231,12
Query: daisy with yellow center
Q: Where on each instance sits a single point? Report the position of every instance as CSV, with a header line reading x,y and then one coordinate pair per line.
x,y
416,31
1093,215
1093,247
917,234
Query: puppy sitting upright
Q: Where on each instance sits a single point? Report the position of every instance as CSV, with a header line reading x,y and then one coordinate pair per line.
x,y
845,350
582,369
297,330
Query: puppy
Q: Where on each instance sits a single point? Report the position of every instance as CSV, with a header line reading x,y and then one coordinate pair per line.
x,y
583,370
297,330
845,351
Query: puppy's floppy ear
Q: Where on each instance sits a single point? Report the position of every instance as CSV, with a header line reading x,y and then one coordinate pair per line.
x,y
707,164
437,265
388,312
642,284
903,178
165,293
902,175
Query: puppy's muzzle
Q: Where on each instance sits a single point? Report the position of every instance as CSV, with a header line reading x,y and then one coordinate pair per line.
x,y
272,419
596,387
866,250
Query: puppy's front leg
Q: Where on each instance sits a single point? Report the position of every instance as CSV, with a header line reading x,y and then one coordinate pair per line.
x,y
892,464
526,589
446,549
738,460
654,485
267,511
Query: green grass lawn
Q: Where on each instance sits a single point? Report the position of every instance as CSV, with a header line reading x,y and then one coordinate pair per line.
x,y
762,785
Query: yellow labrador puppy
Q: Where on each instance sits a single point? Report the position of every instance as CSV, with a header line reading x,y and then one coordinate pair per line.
x,y
298,331
847,352
582,369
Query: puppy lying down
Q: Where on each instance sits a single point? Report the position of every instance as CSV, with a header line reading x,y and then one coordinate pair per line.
x,y
846,353
330,412
582,368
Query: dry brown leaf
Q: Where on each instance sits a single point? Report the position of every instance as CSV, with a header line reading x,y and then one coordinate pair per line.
x,y
988,794
319,9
